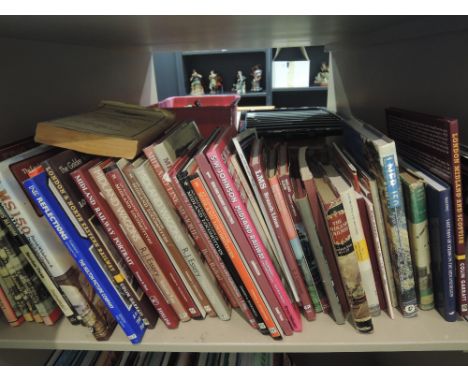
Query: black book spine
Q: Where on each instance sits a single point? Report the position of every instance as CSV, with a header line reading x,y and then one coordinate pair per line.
x,y
184,181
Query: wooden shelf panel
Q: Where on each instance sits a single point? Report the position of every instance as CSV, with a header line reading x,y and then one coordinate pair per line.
x,y
426,332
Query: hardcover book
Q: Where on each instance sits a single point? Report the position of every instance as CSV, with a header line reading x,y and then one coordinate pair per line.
x,y
348,200
340,236
114,129
415,202
433,143
320,223
303,206
440,217
373,150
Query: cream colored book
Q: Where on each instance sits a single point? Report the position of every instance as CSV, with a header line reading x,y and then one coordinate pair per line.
x,y
348,197
137,241
113,130
161,203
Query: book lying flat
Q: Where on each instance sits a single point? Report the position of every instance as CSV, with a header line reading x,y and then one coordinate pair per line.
x,y
113,130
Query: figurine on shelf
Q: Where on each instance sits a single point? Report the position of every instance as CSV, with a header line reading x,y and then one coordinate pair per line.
x,y
239,85
195,84
256,73
322,77
216,83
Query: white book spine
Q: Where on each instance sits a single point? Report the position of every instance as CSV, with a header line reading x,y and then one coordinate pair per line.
x,y
161,203
379,219
360,246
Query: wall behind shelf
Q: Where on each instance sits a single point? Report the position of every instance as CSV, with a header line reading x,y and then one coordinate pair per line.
x,y
424,74
41,81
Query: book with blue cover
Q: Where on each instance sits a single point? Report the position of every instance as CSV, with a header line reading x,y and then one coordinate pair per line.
x,y
80,248
442,240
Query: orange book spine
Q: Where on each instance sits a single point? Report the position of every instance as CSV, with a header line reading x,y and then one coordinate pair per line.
x,y
231,249
8,311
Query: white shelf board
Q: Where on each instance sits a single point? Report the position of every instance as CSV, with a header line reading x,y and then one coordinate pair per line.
x,y
426,332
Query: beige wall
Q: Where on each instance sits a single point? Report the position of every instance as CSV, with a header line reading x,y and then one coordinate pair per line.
x,y
427,74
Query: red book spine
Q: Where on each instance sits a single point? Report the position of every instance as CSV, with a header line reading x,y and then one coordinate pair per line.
x,y
215,156
223,205
322,231
372,253
460,255
181,204
120,187
108,220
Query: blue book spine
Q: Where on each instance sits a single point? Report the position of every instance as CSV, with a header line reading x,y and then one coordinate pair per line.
x,y
80,248
440,215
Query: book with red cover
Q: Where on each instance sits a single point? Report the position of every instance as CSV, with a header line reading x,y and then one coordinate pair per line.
x,y
321,224
184,211
120,187
433,142
214,186
103,212
216,155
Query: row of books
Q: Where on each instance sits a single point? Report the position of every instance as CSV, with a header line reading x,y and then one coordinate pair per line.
x,y
134,358
197,226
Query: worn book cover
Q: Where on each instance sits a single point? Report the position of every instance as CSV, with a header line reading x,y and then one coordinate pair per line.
x,y
114,129
337,224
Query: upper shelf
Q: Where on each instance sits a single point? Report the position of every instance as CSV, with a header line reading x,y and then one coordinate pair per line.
x,y
184,33
426,332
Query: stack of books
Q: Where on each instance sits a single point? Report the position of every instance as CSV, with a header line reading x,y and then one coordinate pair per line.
x,y
123,216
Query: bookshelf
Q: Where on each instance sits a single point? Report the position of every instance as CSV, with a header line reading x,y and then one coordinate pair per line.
x,y
425,333
174,69
57,67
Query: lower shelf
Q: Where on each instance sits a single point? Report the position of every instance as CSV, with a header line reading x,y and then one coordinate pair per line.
x,y
426,332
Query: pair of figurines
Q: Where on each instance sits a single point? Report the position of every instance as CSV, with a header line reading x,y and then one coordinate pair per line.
x,y
239,85
215,83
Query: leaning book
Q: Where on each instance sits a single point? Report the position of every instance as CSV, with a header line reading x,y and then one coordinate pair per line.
x,y
80,248
377,153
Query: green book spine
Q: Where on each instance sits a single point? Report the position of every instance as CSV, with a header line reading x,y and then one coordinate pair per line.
x,y
418,230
